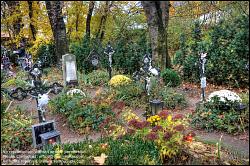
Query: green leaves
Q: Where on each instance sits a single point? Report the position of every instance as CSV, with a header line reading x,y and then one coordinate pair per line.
x,y
214,116
171,78
226,43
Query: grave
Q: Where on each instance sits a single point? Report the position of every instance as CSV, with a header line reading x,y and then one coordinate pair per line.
x,y
45,133
109,52
94,59
69,70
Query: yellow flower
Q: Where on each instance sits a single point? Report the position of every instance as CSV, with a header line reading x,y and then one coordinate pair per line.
x,y
118,80
169,118
57,156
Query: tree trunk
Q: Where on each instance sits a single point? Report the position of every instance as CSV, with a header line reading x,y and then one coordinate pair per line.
x,y
77,21
54,9
88,21
157,13
102,26
32,27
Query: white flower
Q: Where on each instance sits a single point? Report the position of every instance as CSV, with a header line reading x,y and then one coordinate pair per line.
x,y
76,91
222,94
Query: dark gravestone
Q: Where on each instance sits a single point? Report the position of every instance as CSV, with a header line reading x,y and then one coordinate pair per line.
x,y
39,129
94,59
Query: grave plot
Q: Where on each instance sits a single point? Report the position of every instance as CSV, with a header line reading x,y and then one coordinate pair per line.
x,y
116,83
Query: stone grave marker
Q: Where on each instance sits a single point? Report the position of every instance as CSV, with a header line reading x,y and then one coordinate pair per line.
x,y
69,69
38,134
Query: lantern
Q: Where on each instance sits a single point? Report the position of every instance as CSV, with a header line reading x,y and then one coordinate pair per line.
x,y
156,106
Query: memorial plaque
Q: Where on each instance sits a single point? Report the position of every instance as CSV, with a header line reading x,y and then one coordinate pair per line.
x,y
203,82
52,137
39,129
69,69
94,61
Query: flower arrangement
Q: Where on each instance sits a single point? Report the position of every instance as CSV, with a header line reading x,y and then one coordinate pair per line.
x,y
154,120
119,80
167,131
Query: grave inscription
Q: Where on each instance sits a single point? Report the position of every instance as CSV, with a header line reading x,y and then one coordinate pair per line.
x,y
69,69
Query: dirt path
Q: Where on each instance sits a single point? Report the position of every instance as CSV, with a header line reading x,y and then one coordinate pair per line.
x,y
68,135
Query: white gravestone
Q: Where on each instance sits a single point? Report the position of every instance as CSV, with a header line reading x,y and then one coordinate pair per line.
x,y
69,69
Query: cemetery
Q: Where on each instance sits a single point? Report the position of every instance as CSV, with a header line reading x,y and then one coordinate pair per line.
x,y
110,92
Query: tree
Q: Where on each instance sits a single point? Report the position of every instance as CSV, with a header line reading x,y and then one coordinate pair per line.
x,y
54,10
91,8
157,13
32,27
17,23
102,25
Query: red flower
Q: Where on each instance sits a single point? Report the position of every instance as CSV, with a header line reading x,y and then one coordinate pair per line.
x,y
179,128
189,138
152,136
138,125
178,116
145,124
167,136
163,114
133,122
157,128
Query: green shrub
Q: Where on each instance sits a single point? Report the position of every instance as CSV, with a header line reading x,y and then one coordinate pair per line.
x,y
130,94
125,151
172,99
47,50
133,151
65,104
226,44
4,104
81,111
97,78
89,116
222,116
171,78
16,131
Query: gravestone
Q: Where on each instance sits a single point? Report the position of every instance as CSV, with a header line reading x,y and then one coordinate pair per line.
x,y
69,69
94,59
39,130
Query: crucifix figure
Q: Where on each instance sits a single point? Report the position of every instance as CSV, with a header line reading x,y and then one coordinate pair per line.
x,y
109,51
203,78
148,71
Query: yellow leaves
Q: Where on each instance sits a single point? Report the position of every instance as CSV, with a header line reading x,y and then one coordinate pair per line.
x,y
118,131
100,159
168,151
58,153
128,115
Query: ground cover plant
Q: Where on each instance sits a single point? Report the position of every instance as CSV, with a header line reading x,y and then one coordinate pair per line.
x,y
83,113
16,130
223,116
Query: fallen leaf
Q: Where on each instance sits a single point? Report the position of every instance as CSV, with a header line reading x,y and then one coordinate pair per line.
x,y
100,159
